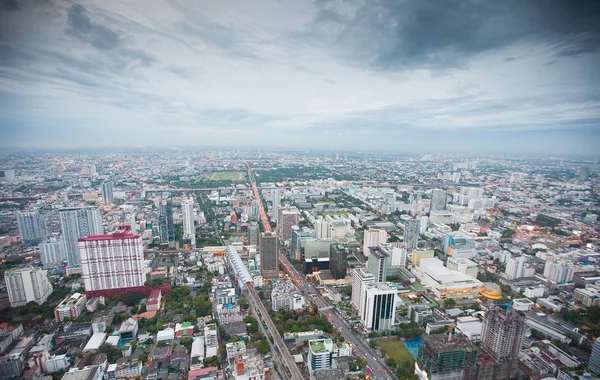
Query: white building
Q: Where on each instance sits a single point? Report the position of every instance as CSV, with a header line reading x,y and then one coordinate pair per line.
x,y
462,265
286,295
320,354
323,229
77,223
534,291
514,267
360,279
373,237
210,340
113,261
187,213
559,271
26,285
165,335
380,307
52,253
57,363
470,327
32,226
197,353
444,282
441,217
70,308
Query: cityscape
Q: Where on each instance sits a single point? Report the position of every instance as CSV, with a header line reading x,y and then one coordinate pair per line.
x,y
299,190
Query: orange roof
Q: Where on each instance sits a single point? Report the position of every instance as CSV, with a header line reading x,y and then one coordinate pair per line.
x,y
146,315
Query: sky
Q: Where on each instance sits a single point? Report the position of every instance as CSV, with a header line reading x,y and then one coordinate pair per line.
x,y
448,76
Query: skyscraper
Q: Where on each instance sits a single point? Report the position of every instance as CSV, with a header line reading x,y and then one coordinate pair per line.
x,y
269,255
373,237
75,223
502,336
187,212
378,263
32,227
559,270
52,253
594,363
322,229
439,199
380,307
288,219
411,233
112,263
9,175
338,261
360,279
254,210
26,285
514,267
253,233
276,199
107,192
165,222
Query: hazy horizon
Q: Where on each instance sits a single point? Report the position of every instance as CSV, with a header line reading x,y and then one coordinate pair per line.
x,y
469,77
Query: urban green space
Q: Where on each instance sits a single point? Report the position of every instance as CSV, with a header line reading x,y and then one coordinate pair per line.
x,y
227,176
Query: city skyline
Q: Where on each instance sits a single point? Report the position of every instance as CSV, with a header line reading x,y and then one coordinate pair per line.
x,y
511,77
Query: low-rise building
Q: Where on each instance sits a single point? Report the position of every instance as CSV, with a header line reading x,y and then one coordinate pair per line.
x,y
320,354
70,308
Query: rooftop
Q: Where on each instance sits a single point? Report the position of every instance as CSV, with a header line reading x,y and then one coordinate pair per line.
x,y
378,252
320,345
114,236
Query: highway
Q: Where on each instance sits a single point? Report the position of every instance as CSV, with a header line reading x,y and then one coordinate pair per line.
x,y
374,361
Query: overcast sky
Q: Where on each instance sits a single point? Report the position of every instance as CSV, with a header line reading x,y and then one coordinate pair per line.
x,y
433,76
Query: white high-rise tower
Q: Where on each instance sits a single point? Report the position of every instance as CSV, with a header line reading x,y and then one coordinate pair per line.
x,y
187,211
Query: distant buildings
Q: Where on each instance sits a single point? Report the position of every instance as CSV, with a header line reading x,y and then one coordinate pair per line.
x,y
411,233
373,237
269,255
323,229
112,263
9,175
502,336
380,307
32,227
77,223
107,192
26,285
516,177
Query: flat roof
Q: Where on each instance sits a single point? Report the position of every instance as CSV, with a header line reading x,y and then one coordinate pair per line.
x,y
378,252
114,236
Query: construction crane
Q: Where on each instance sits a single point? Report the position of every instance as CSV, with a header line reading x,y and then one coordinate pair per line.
x,y
508,305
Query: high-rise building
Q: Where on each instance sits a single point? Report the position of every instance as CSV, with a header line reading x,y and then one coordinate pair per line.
x,y
380,307
412,228
254,210
9,175
52,253
26,285
322,229
76,223
443,358
269,255
107,192
187,213
338,261
88,170
32,227
112,263
378,263
584,174
439,199
131,222
298,235
288,219
360,279
514,267
320,354
165,222
502,336
373,237
559,271
517,177
253,233
275,200
594,362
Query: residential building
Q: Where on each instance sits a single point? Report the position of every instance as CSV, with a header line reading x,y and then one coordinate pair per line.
x,y
107,192
70,308
286,295
26,285
502,336
444,358
166,228
320,354
323,229
338,261
589,297
32,227
373,237
380,307
253,233
112,263
269,255
377,263
187,213
289,218
412,228
154,300
594,362
77,223
439,199
559,271
129,329
210,340
360,279
9,175
514,267
52,253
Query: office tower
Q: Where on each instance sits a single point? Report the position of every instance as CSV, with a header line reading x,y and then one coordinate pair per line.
x,y
32,227
275,200
360,279
269,255
594,363
322,229
443,358
52,253
439,199
373,237
254,210
88,170
112,263
187,213
502,336
411,233
338,261
76,223
9,175
514,267
320,354
288,219
559,271
26,285
253,233
378,263
165,222
380,307
107,192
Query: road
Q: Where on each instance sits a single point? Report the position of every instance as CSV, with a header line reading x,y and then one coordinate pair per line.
x,y
374,361
261,208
